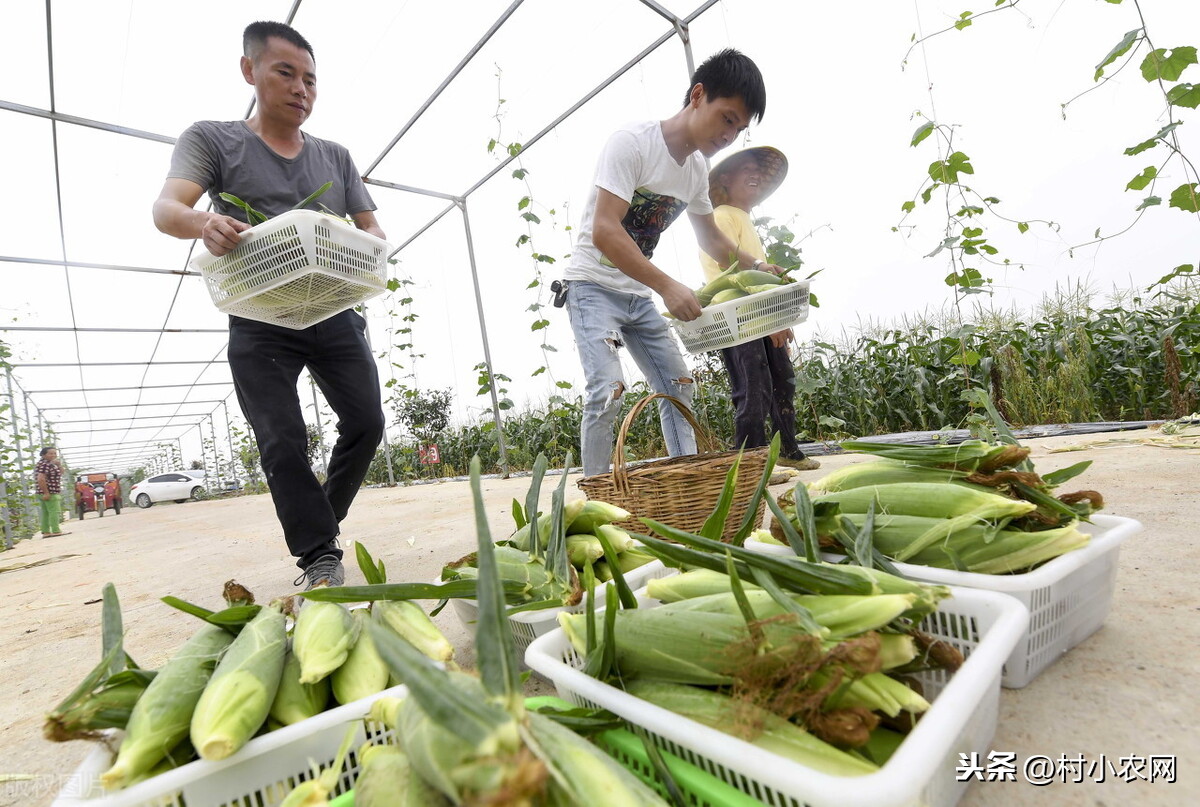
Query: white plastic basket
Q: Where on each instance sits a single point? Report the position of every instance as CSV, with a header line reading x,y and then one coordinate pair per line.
x,y
528,625
262,773
961,719
746,319
1068,597
296,270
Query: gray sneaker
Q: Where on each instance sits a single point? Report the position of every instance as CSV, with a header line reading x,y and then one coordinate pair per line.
x,y
325,570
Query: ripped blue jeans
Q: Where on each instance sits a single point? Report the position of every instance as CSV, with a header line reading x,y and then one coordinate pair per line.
x,y
603,322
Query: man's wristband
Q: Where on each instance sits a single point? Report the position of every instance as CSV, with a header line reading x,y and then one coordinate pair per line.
x,y
758,263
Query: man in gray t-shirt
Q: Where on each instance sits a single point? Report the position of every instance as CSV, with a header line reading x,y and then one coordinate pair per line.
x,y
268,162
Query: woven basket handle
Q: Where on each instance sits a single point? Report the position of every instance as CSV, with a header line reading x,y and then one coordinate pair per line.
x,y
620,473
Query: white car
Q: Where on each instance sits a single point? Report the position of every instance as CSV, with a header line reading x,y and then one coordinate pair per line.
x,y
173,487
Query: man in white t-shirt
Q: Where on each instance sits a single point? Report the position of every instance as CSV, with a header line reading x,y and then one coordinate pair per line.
x,y
647,174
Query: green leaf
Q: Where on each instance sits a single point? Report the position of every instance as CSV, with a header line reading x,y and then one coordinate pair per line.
x,y
1149,201
923,131
1178,271
524,203
1121,47
520,173
1022,227
1184,198
908,206
970,358
1186,95
1166,64
1145,145
947,171
541,323
1143,179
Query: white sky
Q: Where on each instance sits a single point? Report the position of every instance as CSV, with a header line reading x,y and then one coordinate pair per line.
x,y
839,105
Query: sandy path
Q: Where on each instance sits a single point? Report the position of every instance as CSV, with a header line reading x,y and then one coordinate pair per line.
x,y
1126,691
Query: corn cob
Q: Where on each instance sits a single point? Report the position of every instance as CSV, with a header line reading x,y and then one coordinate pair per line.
x,y
237,698
592,514
295,701
364,673
585,775
322,638
161,717
755,277
386,780
583,549
316,791
774,734
927,499
882,472
409,621
726,295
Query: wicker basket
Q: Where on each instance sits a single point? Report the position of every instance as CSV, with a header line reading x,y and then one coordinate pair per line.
x,y
679,491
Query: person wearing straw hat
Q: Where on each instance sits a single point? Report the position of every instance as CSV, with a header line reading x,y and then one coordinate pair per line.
x,y
761,377
647,174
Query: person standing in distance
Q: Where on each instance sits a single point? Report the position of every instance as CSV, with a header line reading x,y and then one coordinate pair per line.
x,y
269,162
761,377
647,174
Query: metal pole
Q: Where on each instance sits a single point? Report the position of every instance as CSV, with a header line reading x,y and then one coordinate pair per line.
x,y
487,352
212,428
232,459
23,481
387,446
8,541
320,427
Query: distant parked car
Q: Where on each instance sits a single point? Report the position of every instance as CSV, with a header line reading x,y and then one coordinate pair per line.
x,y
175,487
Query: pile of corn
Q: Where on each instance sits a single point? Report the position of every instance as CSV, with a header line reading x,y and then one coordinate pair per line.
x,y
543,563
810,663
466,739
972,507
249,669
733,285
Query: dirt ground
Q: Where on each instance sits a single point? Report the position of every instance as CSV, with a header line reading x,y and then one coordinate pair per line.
x,y
1128,691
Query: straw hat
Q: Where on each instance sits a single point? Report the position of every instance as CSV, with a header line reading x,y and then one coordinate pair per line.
x,y
771,163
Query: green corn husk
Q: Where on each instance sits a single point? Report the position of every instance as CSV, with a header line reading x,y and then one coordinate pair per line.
x,y
177,757
238,697
364,672
882,472
316,791
161,718
295,701
410,622
927,595
107,706
881,745
968,455
621,540
1009,551
681,644
385,779
322,638
842,615
927,499
875,691
757,726
584,549
385,711
627,561
519,569
585,775
591,515
456,768
896,650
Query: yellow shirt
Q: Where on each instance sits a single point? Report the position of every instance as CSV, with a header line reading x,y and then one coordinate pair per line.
x,y
737,224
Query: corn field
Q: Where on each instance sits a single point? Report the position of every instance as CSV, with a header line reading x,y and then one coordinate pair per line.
x,y
1133,357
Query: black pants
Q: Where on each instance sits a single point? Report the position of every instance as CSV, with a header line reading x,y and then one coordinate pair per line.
x,y
763,383
266,361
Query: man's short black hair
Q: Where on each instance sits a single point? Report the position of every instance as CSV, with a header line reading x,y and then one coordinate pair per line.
x,y
254,38
731,74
